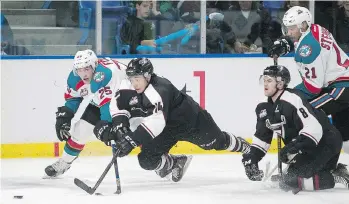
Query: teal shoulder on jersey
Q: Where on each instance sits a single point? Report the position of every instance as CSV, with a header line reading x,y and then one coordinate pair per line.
x,y
308,50
100,79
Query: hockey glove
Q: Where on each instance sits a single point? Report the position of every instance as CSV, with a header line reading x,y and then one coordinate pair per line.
x,y
251,168
302,144
121,121
280,47
102,131
63,122
124,141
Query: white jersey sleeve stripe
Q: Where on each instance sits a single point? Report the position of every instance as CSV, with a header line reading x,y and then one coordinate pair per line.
x,y
258,143
148,130
310,136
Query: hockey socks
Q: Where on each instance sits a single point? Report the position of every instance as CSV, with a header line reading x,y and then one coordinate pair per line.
x,y
71,150
237,144
320,181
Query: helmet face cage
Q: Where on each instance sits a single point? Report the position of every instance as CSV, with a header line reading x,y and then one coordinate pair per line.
x,y
139,66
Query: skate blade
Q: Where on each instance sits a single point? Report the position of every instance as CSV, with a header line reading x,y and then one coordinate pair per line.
x,y
51,177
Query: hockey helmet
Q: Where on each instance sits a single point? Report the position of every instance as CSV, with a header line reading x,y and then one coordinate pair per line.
x,y
139,66
279,72
296,16
84,58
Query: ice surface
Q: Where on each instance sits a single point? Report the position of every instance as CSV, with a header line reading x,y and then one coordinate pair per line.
x,y
210,179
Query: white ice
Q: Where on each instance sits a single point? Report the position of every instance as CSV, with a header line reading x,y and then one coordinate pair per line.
x,y
209,179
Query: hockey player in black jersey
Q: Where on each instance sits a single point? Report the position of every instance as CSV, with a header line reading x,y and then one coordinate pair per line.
x,y
167,116
312,144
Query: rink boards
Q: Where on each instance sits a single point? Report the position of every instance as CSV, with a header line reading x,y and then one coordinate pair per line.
x,y
32,89
96,148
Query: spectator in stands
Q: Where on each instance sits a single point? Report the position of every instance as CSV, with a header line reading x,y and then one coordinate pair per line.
x,y
164,10
342,26
220,38
8,46
214,6
242,19
135,30
253,25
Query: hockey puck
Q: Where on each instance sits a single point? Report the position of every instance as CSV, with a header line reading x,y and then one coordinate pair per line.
x,y
98,194
18,197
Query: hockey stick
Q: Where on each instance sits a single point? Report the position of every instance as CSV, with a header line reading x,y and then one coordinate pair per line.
x,y
278,135
90,190
116,168
82,108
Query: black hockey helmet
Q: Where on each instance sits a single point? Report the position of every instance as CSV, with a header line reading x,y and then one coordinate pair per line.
x,y
278,71
139,66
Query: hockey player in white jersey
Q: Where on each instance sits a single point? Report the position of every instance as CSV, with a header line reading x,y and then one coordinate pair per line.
x,y
94,80
322,64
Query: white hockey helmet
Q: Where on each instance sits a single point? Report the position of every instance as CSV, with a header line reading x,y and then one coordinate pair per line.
x,y
84,58
296,16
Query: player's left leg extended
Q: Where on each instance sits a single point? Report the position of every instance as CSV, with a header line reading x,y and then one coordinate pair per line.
x,y
209,136
82,132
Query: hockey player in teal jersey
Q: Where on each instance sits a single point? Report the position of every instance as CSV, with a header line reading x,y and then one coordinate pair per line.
x,y
322,64
95,81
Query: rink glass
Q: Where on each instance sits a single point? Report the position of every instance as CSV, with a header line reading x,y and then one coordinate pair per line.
x,y
64,27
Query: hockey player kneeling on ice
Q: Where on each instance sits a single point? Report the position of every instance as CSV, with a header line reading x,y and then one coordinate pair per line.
x,y
94,80
312,144
167,116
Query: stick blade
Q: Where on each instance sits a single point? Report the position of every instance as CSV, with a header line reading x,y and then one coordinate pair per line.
x,y
83,186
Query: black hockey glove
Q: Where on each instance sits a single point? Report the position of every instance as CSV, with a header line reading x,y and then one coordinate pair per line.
x,y
251,168
64,115
281,47
121,122
123,141
301,145
102,130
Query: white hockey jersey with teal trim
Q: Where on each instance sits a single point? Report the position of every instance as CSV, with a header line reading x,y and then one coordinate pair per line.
x,y
321,62
105,82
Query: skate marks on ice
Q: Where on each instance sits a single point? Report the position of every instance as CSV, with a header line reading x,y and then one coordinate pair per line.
x,y
209,179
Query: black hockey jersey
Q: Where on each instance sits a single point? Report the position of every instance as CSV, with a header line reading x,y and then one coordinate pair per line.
x,y
161,104
290,116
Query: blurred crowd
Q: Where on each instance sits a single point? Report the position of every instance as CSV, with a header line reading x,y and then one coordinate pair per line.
x,y
231,26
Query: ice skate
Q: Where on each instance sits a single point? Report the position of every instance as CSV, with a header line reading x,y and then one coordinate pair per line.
x,y
58,168
180,166
165,167
341,175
